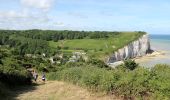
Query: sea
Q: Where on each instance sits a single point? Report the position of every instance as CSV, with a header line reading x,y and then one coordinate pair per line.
x,y
159,43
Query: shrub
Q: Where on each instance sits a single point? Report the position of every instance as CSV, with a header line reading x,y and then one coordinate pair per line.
x,y
98,63
141,83
72,75
159,81
133,83
130,64
91,77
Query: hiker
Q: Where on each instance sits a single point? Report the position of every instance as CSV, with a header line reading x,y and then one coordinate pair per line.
x,y
35,75
43,77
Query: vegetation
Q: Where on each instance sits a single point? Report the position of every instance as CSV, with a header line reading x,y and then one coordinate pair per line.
x,y
47,41
21,50
138,83
130,64
12,74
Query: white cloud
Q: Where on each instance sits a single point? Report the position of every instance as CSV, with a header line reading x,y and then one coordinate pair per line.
x,y
32,15
45,5
11,14
13,18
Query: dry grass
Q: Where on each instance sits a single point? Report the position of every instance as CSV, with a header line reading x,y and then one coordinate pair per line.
x,y
54,90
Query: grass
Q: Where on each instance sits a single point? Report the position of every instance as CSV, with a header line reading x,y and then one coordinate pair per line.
x,y
54,90
98,47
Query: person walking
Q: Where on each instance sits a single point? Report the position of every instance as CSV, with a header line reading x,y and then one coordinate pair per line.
x,y
43,77
35,75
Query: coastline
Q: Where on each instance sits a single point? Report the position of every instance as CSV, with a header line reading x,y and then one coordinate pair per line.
x,y
144,59
150,57
160,54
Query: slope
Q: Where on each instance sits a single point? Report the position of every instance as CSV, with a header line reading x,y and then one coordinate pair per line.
x,y
55,90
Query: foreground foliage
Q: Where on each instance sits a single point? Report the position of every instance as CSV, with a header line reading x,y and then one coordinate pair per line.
x,y
12,74
138,83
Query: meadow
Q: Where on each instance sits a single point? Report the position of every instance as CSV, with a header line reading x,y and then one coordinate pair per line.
x,y
99,47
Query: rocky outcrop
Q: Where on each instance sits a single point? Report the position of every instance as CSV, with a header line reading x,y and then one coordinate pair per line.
x,y
137,48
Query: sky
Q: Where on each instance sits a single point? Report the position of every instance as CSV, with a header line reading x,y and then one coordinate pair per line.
x,y
152,16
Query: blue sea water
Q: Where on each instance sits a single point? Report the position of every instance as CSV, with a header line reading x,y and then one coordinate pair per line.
x,y
159,43
160,37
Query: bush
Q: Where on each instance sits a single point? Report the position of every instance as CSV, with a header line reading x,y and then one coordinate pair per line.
x,y
130,64
91,77
159,81
133,83
140,83
98,63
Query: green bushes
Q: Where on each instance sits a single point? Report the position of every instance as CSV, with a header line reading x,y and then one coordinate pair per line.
x,y
11,71
91,77
138,83
98,63
133,83
130,64
160,81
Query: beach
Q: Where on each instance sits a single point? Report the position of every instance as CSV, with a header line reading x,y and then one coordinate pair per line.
x,y
161,54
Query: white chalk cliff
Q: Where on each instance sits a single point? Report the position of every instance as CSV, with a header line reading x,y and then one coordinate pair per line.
x,y
136,48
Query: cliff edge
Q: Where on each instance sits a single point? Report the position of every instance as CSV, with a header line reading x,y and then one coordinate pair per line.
x,y
136,48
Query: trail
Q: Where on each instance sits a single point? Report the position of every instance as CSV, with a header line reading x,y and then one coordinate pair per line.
x,y
55,90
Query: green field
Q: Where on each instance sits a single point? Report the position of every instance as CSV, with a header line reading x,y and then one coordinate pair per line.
x,y
98,47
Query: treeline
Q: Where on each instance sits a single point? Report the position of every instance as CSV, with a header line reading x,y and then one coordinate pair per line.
x,y
50,35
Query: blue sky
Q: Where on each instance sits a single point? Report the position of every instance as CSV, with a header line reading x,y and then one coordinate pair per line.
x,y
152,16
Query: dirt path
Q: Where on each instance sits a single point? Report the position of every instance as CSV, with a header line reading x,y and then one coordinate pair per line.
x,y
54,90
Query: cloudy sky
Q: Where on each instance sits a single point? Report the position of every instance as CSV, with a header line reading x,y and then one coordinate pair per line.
x,y
152,16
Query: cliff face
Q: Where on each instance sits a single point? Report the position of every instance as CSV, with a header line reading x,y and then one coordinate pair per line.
x,y
137,48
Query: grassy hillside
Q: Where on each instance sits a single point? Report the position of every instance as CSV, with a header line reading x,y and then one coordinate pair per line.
x,y
97,47
95,43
